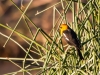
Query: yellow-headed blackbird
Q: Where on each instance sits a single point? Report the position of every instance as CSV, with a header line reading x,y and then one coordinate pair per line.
x,y
71,38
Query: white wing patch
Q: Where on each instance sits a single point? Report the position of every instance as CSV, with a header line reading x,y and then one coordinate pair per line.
x,y
65,37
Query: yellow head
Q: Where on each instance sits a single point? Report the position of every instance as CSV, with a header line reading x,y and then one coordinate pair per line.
x,y
63,27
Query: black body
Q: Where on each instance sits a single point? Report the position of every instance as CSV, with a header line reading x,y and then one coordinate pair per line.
x,y
73,40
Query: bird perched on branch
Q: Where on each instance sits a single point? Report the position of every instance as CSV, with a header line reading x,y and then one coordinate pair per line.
x,y
71,38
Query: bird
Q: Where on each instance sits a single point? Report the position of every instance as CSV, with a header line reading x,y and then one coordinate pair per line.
x,y
71,38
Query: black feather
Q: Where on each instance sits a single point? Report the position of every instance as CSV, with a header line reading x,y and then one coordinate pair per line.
x,y
73,40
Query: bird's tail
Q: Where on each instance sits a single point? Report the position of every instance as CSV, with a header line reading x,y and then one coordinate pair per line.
x,y
80,54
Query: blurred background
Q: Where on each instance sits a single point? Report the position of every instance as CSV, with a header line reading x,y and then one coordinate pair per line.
x,y
9,15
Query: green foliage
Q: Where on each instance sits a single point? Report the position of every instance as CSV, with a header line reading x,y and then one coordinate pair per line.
x,y
56,60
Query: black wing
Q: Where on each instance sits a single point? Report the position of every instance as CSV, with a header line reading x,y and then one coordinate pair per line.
x,y
73,40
